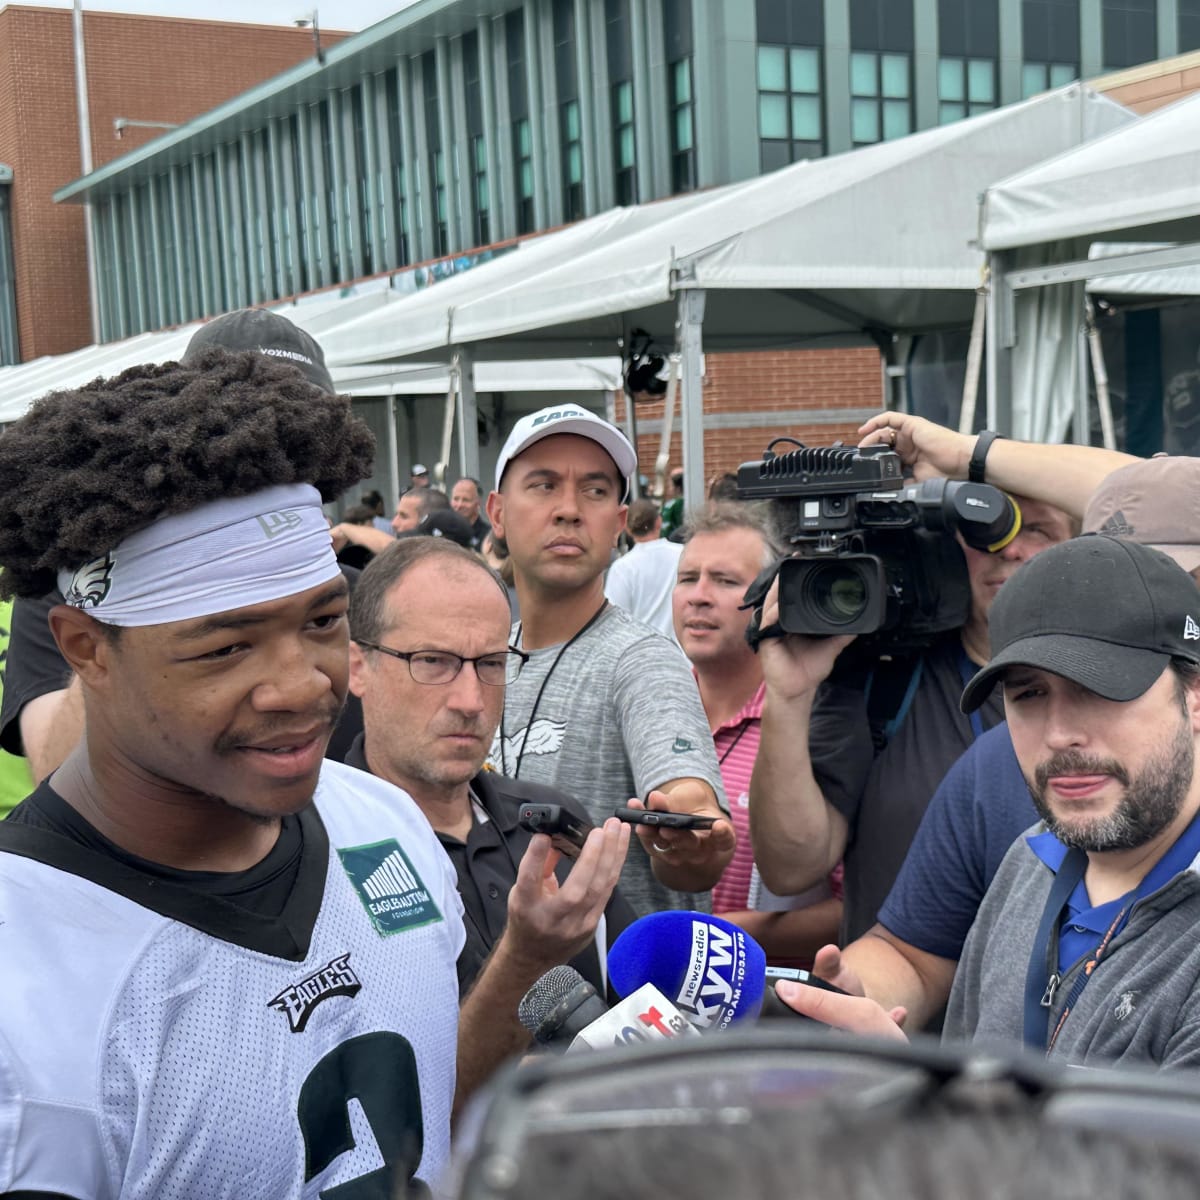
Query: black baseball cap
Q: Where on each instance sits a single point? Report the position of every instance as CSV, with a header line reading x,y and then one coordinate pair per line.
x,y
269,334
442,522
1107,614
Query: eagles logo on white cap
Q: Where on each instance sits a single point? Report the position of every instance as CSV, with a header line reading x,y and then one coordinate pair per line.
x,y
569,419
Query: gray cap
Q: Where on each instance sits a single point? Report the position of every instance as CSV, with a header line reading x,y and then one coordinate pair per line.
x,y
1155,502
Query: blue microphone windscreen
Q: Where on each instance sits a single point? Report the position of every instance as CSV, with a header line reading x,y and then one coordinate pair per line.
x,y
710,969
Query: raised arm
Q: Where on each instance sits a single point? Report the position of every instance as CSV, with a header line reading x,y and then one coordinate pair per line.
x,y
798,836
1062,475
547,925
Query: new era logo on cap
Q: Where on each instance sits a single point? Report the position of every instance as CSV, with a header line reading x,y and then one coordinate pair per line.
x,y
1106,613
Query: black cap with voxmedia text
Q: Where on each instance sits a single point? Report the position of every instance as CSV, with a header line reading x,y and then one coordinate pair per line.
x,y
1106,614
269,334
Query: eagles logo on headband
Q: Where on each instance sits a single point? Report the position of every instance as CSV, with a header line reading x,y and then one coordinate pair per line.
x,y
228,554
90,584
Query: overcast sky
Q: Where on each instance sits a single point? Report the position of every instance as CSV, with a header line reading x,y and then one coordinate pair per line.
x,y
346,14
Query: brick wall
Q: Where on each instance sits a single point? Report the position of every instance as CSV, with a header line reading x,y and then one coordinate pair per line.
x,y
144,68
1152,85
811,390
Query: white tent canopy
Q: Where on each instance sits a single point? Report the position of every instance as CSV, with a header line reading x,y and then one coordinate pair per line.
x,y
1140,182
838,249
850,249
420,322
22,384
321,315
1137,184
1140,285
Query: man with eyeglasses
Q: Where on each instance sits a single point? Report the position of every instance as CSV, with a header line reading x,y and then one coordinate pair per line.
x,y
431,677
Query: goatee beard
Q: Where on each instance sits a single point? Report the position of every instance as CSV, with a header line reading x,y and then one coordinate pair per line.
x,y
1151,800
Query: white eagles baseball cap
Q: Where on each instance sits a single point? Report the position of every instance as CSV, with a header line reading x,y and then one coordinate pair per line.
x,y
569,419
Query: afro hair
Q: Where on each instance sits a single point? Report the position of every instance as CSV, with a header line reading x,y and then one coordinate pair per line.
x,y
84,469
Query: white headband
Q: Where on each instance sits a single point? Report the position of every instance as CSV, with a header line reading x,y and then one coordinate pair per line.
x,y
223,555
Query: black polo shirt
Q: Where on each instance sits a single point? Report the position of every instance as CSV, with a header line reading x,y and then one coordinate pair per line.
x,y
486,866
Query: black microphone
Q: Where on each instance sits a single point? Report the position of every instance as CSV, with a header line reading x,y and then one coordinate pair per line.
x,y
559,1006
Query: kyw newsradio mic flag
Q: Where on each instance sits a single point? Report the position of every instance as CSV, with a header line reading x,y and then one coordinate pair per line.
x,y
680,973
712,971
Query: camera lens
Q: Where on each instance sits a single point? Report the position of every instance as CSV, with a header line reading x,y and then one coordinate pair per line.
x,y
838,592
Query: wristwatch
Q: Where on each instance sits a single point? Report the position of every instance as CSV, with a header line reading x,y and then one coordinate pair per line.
x,y
977,466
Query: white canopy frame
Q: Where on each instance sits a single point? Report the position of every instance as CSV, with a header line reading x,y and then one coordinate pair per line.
x,y
1137,184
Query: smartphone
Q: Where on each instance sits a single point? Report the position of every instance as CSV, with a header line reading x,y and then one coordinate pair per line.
x,y
567,831
774,1007
663,820
797,975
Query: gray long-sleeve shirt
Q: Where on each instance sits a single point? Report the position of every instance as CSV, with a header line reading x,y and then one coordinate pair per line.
x,y
1142,1004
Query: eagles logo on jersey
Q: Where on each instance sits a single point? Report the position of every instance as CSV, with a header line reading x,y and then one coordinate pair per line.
x,y
91,584
297,1001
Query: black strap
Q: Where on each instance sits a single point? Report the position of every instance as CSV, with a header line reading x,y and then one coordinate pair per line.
x,y
977,467
1041,979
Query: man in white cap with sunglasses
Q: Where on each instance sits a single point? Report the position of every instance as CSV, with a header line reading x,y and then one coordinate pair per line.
x,y
605,709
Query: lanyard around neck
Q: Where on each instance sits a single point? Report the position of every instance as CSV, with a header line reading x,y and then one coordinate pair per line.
x,y
541,691
1042,978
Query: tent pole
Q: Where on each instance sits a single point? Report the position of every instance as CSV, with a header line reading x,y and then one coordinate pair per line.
x,y
468,413
966,412
896,354
631,430
443,463
663,461
393,452
1100,375
1001,337
691,407
1082,424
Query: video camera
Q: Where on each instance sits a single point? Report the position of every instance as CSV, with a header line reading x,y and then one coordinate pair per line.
x,y
873,555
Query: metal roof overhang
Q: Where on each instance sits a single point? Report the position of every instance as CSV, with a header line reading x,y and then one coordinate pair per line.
x,y
406,33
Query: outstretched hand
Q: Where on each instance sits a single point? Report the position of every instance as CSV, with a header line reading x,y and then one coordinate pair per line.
x,y
688,848
549,922
855,1014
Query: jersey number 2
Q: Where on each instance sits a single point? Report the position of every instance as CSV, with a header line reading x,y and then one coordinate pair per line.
x,y
379,1070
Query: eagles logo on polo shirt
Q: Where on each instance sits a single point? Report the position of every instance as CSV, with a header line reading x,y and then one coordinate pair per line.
x,y
389,887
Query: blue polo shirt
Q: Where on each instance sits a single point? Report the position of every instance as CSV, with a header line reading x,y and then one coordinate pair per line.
x,y
1085,924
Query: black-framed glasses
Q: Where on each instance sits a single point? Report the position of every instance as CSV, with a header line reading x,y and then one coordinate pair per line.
x,y
440,666
753,1092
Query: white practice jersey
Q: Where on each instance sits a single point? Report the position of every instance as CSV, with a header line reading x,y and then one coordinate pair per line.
x,y
312,1054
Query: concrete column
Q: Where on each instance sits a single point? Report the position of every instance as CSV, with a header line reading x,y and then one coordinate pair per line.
x,y
926,52
837,77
